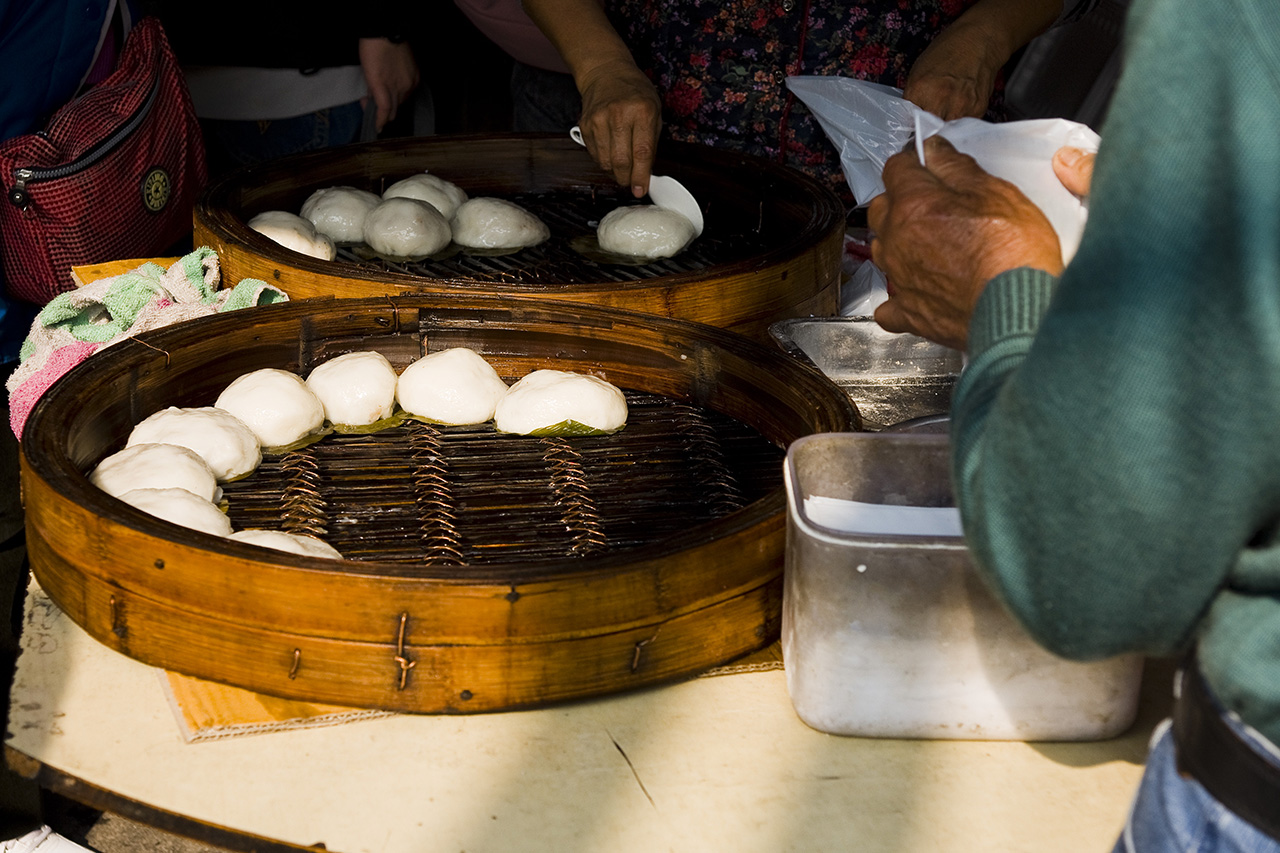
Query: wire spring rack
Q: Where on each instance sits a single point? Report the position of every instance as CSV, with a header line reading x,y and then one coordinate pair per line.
x,y
429,495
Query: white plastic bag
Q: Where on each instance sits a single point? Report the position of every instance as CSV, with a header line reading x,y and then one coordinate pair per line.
x,y
864,291
868,123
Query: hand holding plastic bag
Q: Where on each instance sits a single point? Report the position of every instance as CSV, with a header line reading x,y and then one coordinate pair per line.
x,y
869,123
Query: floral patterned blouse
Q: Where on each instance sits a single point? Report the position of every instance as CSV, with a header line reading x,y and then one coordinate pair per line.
x,y
721,65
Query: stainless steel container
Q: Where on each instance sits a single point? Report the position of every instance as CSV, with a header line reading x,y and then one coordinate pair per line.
x,y
891,635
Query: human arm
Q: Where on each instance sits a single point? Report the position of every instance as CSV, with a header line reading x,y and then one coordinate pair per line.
x,y
955,75
391,74
621,110
1114,457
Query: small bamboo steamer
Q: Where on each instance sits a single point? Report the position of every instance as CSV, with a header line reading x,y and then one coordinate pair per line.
x,y
369,634
788,228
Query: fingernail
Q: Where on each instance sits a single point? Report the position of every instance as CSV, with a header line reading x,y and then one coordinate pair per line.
x,y
1070,156
637,191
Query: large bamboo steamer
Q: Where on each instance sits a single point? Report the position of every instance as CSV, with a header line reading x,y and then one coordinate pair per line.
x,y
771,249
384,635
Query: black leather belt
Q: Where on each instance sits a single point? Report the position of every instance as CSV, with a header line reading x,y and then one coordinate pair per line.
x,y
1216,757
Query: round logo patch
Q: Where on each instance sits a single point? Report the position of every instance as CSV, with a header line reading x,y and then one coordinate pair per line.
x,y
156,188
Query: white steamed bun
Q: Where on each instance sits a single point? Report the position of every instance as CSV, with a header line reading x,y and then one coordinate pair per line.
x,y
452,386
495,223
156,466
406,228
219,437
644,231
356,389
443,195
339,212
294,543
545,398
180,507
293,232
276,404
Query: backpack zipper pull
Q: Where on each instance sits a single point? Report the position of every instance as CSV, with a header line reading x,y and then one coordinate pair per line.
x,y
18,195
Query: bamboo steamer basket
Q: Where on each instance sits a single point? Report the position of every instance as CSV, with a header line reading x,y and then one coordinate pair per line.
x,y
771,249
482,636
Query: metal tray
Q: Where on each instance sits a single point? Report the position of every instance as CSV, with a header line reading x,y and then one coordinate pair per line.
x,y
891,377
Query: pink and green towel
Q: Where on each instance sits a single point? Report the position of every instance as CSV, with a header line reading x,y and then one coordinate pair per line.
x,y
76,324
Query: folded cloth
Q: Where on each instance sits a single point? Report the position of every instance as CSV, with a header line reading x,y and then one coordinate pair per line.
x,y
79,323
42,840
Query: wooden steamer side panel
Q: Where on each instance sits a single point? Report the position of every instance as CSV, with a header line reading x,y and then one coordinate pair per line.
x,y
521,604
419,673
426,638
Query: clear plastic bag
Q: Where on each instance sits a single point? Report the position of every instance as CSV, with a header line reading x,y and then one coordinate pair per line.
x,y
868,123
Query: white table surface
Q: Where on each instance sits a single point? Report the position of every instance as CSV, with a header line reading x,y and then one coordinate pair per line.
x,y
712,764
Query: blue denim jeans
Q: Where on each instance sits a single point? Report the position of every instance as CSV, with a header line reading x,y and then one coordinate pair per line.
x,y
231,144
543,101
1175,815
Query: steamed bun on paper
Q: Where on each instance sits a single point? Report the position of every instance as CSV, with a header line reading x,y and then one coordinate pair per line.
x,y
180,507
452,386
276,404
435,191
339,212
406,228
645,231
220,438
156,466
495,223
556,402
356,389
294,543
293,232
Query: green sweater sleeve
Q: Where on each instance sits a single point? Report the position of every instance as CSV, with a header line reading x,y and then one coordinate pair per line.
x,y
1116,434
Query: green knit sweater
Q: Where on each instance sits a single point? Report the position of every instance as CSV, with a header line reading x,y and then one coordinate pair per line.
x,y
1116,434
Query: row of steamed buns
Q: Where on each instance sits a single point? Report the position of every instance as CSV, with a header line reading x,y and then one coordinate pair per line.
x,y
422,214
175,461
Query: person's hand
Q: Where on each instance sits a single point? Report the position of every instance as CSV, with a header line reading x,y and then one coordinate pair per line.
x,y
1074,167
942,231
956,74
621,118
621,111
391,74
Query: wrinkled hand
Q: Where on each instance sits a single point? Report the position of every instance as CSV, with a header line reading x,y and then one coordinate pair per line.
x,y
1074,167
391,74
942,231
621,118
956,74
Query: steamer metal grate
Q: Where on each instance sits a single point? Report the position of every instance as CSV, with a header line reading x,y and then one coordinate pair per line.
x,y
572,216
437,496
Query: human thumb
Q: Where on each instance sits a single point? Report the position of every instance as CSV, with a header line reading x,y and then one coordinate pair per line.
x,y
1074,167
